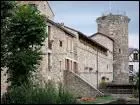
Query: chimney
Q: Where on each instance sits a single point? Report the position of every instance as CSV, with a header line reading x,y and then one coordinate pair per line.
x,y
62,24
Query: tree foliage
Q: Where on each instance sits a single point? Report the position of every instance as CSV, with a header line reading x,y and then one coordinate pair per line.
x,y
27,28
21,65
27,32
7,8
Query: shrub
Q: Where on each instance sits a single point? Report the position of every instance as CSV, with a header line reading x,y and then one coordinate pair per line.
x,y
136,93
102,85
27,94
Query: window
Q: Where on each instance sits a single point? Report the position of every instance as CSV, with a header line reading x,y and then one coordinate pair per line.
x,y
90,69
60,43
60,65
33,5
67,43
130,79
67,66
49,60
107,66
86,68
130,68
103,78
119,50
71,65
75,67
49,41
71,44
135,56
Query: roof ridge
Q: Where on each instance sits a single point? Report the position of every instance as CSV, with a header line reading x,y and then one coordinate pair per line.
x,y
59,26
72,29
101,34
50,8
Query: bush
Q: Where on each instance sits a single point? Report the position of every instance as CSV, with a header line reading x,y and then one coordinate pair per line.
x,y
136,93
64,97
27,94
103,85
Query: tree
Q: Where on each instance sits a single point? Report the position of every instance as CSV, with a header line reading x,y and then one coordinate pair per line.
x,y
27,32
7,7
137,80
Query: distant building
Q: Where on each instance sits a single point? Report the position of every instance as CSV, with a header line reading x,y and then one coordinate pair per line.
x,y
133,62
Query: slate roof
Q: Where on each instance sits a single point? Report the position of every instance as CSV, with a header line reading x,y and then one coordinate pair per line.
x,y
83,36
60,27
101,34
130,50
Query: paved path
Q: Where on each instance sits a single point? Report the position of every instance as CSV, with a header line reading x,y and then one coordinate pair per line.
x,y
127,97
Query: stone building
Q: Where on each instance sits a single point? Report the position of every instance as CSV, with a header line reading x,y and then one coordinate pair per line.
x,y
116,27
133,62
81,62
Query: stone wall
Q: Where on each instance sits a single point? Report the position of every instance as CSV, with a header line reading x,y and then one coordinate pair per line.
x,y
103,40
4,83
78,86
58,54
87,67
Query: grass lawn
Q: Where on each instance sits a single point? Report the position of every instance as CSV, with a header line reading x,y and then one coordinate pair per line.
x,y
99,100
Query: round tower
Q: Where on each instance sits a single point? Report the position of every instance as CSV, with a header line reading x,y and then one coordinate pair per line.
x,y
116,27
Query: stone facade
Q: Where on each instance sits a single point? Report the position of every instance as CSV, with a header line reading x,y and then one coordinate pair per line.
x,y
116,27
75,50
89,58
89,65
4,83
134,61
56,55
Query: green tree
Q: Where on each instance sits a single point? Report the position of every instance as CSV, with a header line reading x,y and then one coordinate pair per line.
x,y
137,80
26,34
7,8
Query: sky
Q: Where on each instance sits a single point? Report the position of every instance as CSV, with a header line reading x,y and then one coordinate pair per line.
x,y
82,15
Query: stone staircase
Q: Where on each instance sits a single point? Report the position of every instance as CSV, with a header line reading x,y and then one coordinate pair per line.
x,y
78,86
118,89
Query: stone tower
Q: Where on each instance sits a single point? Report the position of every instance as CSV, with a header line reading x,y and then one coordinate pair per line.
x,y
116,27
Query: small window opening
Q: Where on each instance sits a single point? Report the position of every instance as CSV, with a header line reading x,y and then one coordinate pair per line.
x,y
107,66
119,50
103,78
60,43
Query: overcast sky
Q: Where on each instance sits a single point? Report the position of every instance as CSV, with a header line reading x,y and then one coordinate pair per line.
x,y
81,15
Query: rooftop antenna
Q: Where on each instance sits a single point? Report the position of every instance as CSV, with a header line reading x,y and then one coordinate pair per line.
x,y
110,7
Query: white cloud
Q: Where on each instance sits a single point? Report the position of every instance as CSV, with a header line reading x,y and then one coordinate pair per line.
x,y
134,40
